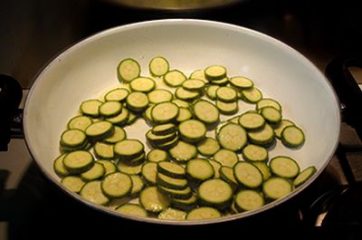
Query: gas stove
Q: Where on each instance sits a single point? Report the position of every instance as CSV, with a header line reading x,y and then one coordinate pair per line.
x,y
328,209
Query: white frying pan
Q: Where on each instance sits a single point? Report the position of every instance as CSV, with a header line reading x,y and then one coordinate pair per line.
x,y
88,69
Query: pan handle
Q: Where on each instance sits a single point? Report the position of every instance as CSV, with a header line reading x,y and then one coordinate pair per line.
x,y
11,116
347,89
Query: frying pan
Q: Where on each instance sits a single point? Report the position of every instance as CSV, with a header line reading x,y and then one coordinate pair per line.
x,y
88,69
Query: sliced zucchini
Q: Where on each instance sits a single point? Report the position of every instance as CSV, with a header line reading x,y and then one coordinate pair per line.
x,y
221,82
252,95
251,120
248,175
163,129
226,157
73,183
185,204
159,139
215,72
116,185
164,112
73,138
131,118
137,101
147,115
149,172
91,107
100,130
109,166
276,187
232,136
184,114
129,169
168,145
219,198
159,96
199,170
121,118
153,200
157,155
241,82
185,193
137,185
78,161
304,175
132,210
158,66
119,134
171,182
247,200
271,115
292,136
203,213
174,78
59,167
227,174
268,102
92,192
187,95
208,147
278,129
171,169
211,91
128,148
79,122
110,108
216,165
206,112
284,166
227,108
118,94
255,153
192,130
198,74
193,84
172,214
142,84
128,69
264,169
263,136
226,94
95,172
103,150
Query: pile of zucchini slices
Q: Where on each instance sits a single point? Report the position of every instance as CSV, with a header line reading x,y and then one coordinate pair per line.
x,y
204,156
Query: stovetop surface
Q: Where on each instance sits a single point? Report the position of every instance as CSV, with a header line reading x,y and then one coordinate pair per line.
x,y
33,32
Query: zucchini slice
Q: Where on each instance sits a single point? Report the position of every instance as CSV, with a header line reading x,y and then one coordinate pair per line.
x,y
163,129
78,161
193,84
59,167
268,102
304,175
137,185
110,108
252,95
247,200
121,118
255,153
92,192
181,194
232,137
108,165
137,101
226,94
227,108
185,94
171,169
142,84
215,72
264,169
211,91
100,130
95,172
153,200
263,136
198,74
128,148
283,166
158,66
164,112
157,155
119,134
271,115
118,94
79,122
171,182
292,136
208,147
278,129
251,120
248,175
216,193
73,183
199,170
206,112
91,107
116,185
276,187
172,214
185,204
149,172
202,213
227,174
132,210
159,96
174,78
226,157
183,114
192,130
73,138
103,150
241,82
128,69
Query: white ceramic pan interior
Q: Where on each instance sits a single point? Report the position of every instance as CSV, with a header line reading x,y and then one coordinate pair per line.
x,y
88,69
